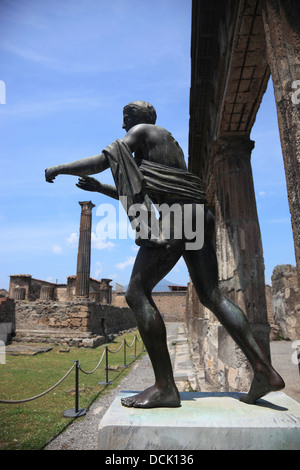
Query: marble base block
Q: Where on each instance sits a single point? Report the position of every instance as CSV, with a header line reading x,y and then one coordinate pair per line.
x,y
206,421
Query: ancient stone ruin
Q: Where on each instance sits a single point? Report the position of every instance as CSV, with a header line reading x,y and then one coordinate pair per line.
x,y
236,46
82,312
52,312
78,313
25,287
286,301
7,320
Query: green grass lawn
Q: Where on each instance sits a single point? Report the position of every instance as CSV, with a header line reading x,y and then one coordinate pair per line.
x,y
31,425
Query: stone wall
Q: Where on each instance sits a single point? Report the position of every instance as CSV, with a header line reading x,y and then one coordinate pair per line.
x,y
286,301
80,323
217,359
274,329
7,319
171,305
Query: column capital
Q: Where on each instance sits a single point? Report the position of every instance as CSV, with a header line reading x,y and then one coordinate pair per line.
x,y
234,145
86,206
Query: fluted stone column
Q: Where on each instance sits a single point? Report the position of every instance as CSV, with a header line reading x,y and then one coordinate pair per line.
x,y
282,29
84,250
238,237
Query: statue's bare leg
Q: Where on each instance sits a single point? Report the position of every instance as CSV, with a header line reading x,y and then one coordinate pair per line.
x,y
152,265
203,270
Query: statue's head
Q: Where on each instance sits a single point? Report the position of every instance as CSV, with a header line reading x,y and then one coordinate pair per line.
x,y
138,112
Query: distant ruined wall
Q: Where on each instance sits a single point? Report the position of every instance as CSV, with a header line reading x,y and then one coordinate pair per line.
x,y
25,287
171,305
52,321
274,329
286,301
217,359
7,319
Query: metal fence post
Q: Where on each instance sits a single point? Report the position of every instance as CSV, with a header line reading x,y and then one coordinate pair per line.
x,y
125,365
134,355
107,382
75,412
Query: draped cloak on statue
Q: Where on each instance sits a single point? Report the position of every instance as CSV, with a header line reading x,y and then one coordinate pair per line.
x,y
151,178
140,184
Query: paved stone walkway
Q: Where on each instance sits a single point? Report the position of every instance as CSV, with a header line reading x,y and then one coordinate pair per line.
x,y
82,433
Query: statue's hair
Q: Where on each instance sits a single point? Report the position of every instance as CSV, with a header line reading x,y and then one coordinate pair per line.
x,y
143,110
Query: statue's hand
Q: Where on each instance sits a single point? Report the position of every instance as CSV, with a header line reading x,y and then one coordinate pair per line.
x,y
88,184
50,174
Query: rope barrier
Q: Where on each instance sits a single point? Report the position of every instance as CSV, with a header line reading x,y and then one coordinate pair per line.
x,y
75,412
117,350
41,394
94,370
134,339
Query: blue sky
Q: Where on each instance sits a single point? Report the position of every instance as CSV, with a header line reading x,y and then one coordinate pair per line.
x,y
69,68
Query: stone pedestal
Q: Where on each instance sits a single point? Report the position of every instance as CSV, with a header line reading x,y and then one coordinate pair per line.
x,y
205,421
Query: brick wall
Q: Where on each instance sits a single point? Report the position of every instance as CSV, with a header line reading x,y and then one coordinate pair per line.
x,y
171,305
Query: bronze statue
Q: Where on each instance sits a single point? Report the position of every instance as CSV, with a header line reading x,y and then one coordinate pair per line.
x,y
157,173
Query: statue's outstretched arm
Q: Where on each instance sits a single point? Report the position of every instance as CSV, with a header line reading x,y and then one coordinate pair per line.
x,y
82,167
91,184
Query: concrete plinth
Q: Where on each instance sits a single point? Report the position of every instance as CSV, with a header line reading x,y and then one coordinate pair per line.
x,y
206,421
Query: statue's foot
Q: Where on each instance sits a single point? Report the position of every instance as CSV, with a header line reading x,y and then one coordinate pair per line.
x,y
153,397
263,384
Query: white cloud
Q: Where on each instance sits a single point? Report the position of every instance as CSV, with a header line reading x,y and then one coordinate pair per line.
x,y
266,193
98,269
101,244
280,220
45,106
32,55
97,243
128,262
56,249
72,239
